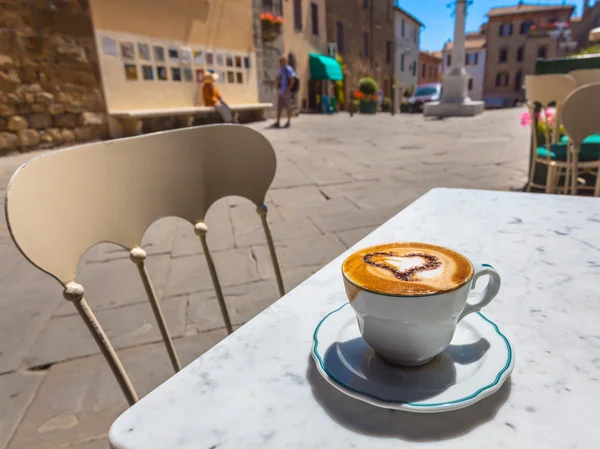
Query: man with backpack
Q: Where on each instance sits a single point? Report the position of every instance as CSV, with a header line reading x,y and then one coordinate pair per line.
x,y
287,80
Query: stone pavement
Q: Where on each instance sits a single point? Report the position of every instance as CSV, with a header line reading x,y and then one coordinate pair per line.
x,y
337,179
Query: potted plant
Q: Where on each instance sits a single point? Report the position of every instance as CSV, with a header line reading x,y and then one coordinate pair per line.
x,y
368,88
270,26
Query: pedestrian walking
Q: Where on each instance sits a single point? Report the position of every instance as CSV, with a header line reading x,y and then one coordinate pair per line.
x,y
286,82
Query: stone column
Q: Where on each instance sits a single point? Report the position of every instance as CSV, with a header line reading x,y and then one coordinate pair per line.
x,y
455,100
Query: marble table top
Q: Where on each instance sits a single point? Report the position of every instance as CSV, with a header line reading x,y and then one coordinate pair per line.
x,y
259,388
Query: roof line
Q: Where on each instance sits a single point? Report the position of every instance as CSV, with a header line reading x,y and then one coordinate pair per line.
x,y
410,16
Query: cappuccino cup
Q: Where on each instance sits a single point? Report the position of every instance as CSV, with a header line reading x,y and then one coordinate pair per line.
x,y
409,297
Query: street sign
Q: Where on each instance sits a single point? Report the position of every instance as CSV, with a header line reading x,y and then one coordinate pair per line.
x,y
332,49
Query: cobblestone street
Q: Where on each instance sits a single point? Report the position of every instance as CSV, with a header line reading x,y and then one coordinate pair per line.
x,y
337,179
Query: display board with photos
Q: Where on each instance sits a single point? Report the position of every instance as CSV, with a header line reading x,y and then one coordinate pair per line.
x,y
146,61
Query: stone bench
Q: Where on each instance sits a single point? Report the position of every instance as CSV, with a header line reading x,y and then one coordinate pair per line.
x,y
129,123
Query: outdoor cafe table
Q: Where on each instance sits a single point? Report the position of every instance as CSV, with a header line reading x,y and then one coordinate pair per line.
x,y
259,388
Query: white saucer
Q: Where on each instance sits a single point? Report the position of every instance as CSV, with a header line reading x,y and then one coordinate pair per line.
x,y
475,365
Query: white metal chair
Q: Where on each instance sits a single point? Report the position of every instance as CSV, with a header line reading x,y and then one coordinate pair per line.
x,y
547,89
60,204
585,76
581,119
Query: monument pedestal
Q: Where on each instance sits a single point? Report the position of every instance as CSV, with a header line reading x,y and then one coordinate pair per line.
x,y
454,102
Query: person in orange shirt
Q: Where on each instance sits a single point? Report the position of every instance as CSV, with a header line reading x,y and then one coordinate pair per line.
x,y
212,97
210,94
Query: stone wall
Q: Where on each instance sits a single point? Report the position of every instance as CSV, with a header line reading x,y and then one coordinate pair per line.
x,y
50,88
267,56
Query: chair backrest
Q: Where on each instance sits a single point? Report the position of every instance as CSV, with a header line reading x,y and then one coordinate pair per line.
x,y
585,76
581,113
62,203
547,89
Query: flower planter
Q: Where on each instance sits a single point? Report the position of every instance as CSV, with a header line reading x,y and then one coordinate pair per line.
x,y
368,107
270,31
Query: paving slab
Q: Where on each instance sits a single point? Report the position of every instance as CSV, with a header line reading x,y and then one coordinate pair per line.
x,y
67,337
16,393
78,400
190,274
280,230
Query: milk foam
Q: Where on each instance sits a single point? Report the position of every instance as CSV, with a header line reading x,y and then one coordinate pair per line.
x,y
407,269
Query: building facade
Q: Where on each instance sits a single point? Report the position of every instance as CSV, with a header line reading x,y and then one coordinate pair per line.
x,y
475,62
305,32
407,34
429,65
363,32
516,36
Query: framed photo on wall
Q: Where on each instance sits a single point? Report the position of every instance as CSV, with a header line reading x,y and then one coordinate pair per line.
x,y
247,62
186,55
131,72
198,57
159,53
143,51
229,60
173,56
220,59
109,46
175,74
148,72
230,77
199,75
238,62
210,58
188,75
161,73
127,50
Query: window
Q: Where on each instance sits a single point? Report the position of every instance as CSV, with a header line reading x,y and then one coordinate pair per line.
x,y
520,52
402,27
525,25
470,83
314,17
430,72
502,79
518,81
298,15
475,58
449,60
505,29
267,5
340,36
424,70
365,4
388,51
416,35
388,12
503,56
471,58
542,52
414,68
365,44
402,62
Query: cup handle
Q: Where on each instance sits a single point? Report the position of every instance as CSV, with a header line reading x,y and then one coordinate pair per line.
x,y
491,290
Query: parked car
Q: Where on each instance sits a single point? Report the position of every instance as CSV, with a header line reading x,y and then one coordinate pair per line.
x,y
424,94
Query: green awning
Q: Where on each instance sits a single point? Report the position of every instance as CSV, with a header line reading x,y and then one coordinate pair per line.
x,y
324,68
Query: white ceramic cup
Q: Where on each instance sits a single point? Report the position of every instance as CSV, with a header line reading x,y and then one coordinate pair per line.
x,y
412,330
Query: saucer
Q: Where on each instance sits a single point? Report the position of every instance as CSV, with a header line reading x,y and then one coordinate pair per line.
x,y
475,365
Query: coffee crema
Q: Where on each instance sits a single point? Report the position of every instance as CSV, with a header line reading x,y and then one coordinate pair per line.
x,y
407,269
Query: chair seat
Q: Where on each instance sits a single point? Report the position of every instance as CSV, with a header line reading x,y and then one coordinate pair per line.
x,y
590,150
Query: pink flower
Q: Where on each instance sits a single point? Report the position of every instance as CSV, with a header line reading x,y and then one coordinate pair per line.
x,y
525,119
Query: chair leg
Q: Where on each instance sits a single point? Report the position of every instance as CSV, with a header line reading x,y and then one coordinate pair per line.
x,y
531,175
74,292
550,178
138,256
262,212
597,188
201,229
574,171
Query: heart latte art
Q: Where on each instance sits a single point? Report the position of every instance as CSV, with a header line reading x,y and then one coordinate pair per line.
x,y
407,269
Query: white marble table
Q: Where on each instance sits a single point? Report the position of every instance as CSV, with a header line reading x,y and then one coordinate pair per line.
x,y
259,387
